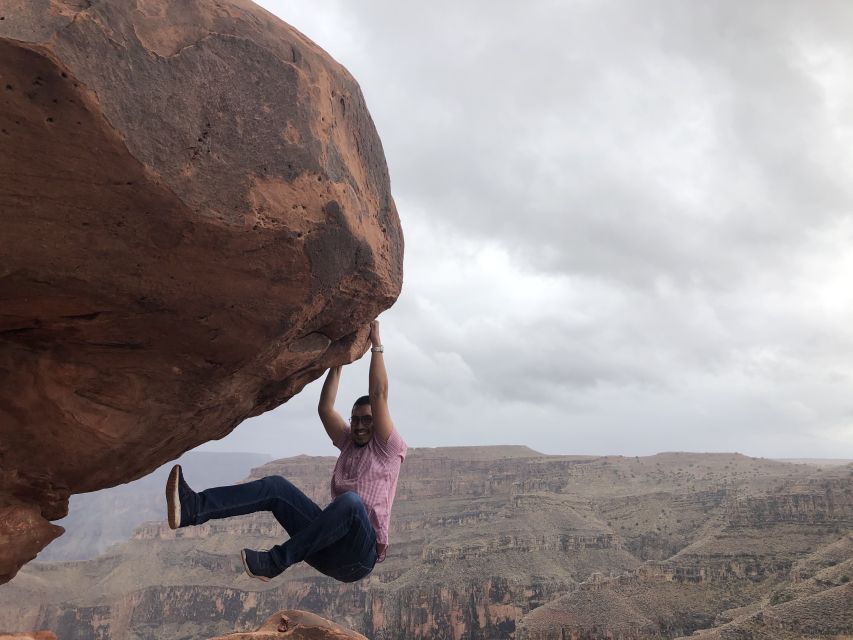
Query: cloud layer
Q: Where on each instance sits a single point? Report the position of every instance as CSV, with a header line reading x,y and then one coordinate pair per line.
x,y
628,224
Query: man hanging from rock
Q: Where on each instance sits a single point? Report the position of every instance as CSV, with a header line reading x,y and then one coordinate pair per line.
x,y
347,538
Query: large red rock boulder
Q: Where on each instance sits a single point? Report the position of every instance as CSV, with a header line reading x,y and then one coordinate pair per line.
x,y
196,222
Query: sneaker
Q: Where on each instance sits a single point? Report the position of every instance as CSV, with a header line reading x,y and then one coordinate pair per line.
x,y
259,564
180,499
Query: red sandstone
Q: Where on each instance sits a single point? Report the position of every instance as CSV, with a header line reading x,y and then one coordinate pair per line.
x,y
197,222
296,625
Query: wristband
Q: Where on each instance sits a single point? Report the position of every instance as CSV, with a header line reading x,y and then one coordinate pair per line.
x,y
379,349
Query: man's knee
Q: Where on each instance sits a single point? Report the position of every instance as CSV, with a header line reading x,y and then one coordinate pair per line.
x,y
275,485
349,500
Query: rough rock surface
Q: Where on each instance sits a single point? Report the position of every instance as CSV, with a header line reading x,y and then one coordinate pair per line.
x,y
32,635
197,221
297,625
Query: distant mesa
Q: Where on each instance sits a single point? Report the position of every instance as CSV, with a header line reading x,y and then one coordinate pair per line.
x,y
197,222
296,625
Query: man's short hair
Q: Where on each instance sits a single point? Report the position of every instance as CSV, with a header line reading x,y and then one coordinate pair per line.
x,y
363,400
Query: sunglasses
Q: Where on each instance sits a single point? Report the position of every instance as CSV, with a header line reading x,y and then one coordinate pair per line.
x,y
365,421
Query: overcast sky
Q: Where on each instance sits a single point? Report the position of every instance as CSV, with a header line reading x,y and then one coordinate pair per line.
x,y
628,224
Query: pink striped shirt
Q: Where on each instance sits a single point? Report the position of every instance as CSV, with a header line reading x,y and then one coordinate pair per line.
x,y
371,471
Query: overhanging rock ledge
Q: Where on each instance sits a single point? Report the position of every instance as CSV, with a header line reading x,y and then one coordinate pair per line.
x,y
196,222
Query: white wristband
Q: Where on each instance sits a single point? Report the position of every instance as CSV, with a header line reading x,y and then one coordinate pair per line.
x,y
379,349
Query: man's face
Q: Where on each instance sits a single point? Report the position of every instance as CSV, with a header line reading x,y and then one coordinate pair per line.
x,y
361,423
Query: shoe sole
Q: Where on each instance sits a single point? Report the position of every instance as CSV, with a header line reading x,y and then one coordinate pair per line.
x,y
246,567
173,500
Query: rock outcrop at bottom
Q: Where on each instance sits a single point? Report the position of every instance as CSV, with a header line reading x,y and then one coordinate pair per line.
x,y
23,533
29,635
296,625
196,222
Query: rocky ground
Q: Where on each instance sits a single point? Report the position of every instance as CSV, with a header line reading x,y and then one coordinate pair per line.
x,y
295,625
502,542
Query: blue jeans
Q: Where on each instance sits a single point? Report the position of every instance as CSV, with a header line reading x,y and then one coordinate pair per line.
x,y
338,541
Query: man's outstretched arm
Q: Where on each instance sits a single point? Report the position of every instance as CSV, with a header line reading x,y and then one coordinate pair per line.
x,y
333,421
378,388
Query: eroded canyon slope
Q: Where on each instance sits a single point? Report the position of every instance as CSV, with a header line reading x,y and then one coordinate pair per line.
x,y
197,221
495,542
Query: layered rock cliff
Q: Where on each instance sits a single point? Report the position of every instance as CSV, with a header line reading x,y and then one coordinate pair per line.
x,y
197,221
485,543
760,549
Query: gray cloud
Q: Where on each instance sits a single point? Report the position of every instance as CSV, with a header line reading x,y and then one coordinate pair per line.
x,y
628,224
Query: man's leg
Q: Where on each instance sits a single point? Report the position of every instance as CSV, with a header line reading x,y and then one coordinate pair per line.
x,y
341,533
292,508
339,536
352,557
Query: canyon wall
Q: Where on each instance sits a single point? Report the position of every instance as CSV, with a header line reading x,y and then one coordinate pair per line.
x,y
485,543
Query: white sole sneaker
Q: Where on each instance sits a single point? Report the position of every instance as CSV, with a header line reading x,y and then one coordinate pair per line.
x,y
173,499
246,567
